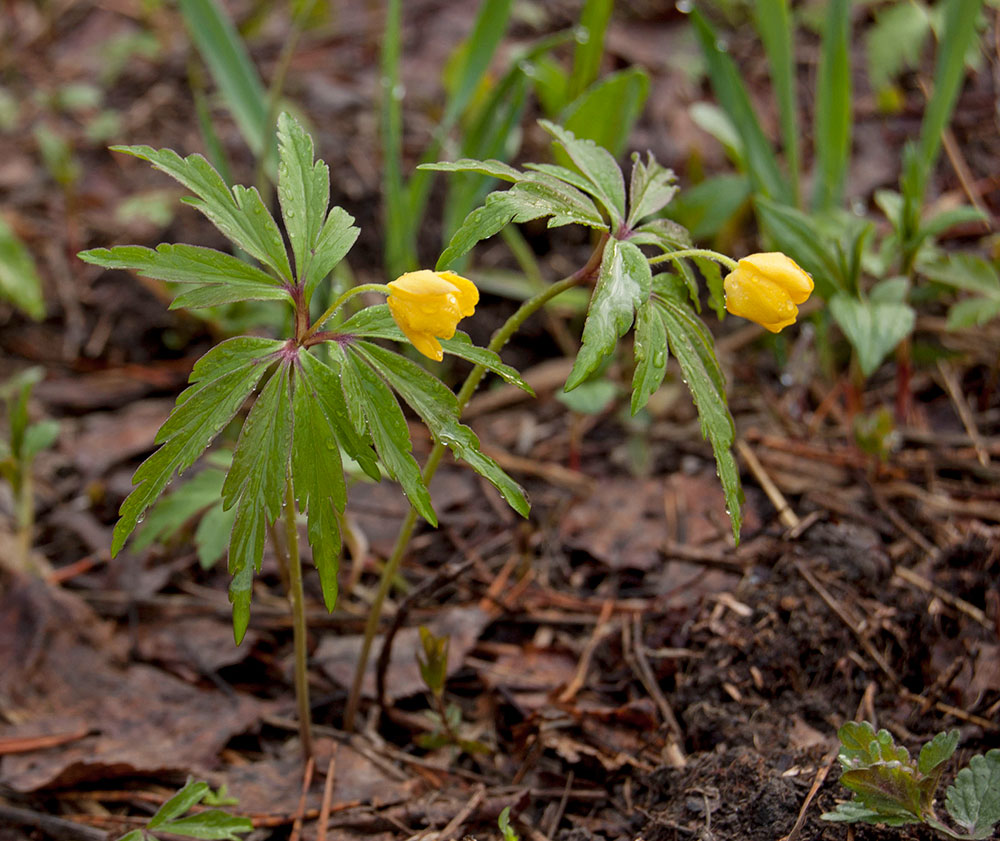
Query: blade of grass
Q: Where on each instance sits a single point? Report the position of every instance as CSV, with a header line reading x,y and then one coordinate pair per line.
x,y
763,167
775,28
949,72
398,254
594,19
833,107
222,50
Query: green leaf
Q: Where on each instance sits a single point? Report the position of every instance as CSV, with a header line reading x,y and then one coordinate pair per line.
x,y
796,235
692,345
534,197
318,479
335,239
598,165
949,73
437,407
650,355
376,322
39,436
324,380
973,312
19,280
895,41
833,107
624,283
712,273
239,213
303,190
775,27
175,509
891,791
873,329
211,537
936,752
211,825
135,835
663,233
589,398
495,169
731,92
221,277
388,429
192,794
223,51
607,111
651,188
589,50
220,383
965,271
854,811
974,800
255,485
947,219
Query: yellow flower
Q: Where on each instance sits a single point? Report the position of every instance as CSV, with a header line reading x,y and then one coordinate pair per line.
x,y
427,305
766,288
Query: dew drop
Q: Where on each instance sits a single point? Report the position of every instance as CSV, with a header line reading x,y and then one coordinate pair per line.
x,y
684,6
659,359
581,34
290,214
398,92
722,45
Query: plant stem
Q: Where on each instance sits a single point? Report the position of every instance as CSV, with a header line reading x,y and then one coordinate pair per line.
x,y
336,305
296,598
500,338
694,252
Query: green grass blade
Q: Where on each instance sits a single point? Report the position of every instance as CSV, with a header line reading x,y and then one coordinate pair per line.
x,y
775,28
949,72
732,95
833,107
594,19
221,48
399,244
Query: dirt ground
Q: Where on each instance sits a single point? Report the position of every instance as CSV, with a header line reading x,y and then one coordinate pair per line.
x,y
632,673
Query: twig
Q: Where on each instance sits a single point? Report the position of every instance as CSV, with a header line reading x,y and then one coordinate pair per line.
x,y
306,782
817,782
787,516
964,412
557,815
462,816
648,679
61,830
583,666
324,811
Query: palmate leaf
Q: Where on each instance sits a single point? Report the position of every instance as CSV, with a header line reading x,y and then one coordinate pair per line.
x,y
380,413
220,277
623,284
437,407
319,239
220,383
238,212
255,485
692,345
651,188
376,322
650,356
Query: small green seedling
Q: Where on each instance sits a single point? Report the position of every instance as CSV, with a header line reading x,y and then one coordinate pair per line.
x,y
211,824
17,454
892,788
504,823
447,718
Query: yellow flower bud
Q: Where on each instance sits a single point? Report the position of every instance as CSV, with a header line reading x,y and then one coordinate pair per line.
x,y
428,305
766,288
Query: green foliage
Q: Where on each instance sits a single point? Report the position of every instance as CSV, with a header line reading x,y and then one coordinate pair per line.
x,y
662,308
208,824
313,404
19,280
505,828
892,788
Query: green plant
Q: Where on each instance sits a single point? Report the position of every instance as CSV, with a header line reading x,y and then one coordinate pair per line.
x,y
210,824
505,828
446,718
833,244
318,391
17,454
664,307
19,280
892,788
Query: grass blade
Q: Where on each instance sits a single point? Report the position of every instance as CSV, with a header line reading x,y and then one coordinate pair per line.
x,y
775,28
833,107
589,50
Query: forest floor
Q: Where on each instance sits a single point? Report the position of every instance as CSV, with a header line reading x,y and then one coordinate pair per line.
x,y
632,672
